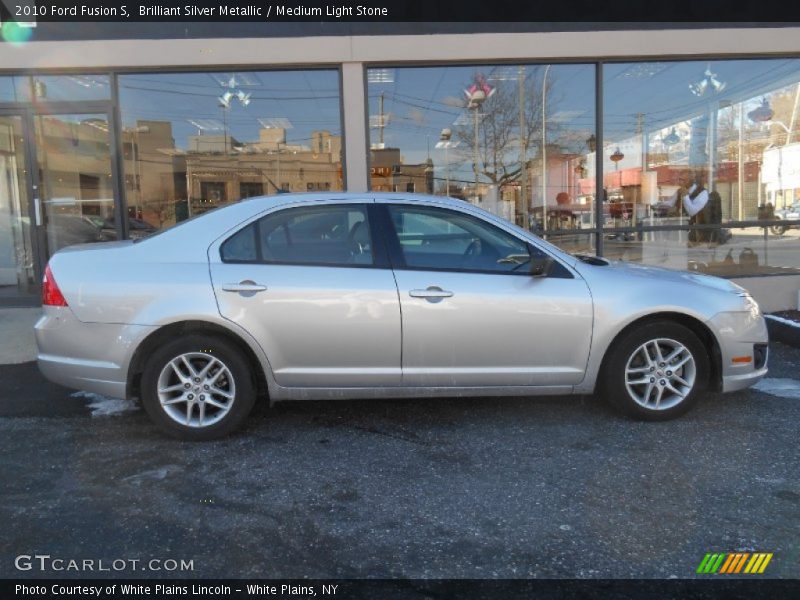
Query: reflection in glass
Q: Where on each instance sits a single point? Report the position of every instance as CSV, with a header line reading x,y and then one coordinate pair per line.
x,y
14,89
194,141
747,251
16,253
75,181
513,139
699,144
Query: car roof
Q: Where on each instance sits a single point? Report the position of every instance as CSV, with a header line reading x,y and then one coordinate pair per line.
x,y
333,196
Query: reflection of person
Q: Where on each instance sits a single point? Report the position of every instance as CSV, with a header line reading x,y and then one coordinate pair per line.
x,y
691,198
563,198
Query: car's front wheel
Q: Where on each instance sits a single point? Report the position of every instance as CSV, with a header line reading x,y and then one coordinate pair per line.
x,y
198,387
656,372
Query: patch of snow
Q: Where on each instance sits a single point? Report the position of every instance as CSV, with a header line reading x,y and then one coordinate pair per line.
x,y
784,321
783,388
156,474
102,406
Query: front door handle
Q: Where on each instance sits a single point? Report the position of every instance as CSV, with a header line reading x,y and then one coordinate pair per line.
x,y
432,294
244,286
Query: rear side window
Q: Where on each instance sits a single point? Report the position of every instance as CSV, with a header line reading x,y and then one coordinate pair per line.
x,y
240,247
336,235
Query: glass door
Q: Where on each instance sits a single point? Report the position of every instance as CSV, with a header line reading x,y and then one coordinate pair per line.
x,y
18,272
75,178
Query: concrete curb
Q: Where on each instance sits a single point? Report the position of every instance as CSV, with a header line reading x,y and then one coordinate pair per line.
x,y
17,342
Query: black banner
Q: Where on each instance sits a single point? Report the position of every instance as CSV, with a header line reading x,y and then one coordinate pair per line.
x,y
382,589
333,11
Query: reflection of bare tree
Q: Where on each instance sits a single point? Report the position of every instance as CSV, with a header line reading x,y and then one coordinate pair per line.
x,y
160,205
499,126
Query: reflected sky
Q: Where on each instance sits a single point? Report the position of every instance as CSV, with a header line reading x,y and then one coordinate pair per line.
x,y
300,101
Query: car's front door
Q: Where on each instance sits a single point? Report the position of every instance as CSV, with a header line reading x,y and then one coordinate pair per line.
x,y
473,315
315,291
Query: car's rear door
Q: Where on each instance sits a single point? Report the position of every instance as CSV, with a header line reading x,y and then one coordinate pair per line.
x,y
309,283
472,313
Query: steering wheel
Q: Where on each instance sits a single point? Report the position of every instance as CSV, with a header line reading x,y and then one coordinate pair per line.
x,y
473,250
356,247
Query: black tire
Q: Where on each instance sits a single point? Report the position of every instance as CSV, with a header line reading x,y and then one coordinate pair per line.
x,y
613,383
778,229
238,379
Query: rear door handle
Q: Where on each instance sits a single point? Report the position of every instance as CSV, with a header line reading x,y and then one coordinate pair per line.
x,y
432,293
244,286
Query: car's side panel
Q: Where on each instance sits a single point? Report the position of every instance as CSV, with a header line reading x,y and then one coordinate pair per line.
x,y
494,330
320,326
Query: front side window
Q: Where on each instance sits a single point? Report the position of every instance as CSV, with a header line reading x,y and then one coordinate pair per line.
x,y
440,239
321,235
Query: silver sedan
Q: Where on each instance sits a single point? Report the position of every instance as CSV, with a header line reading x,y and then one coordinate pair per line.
x,y
301,297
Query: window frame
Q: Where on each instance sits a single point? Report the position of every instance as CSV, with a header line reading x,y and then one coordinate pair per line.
x,y
397,257
380,259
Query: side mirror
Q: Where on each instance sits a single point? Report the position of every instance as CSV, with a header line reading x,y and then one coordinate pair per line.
x,y
540,267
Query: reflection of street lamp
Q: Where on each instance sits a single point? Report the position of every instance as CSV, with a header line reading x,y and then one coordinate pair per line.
x,y
762,114
671,139
446,143
591,143
477,94
709,80
616,157
699,89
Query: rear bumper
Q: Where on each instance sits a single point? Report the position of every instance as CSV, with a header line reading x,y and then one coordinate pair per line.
x,y
100,377
86,356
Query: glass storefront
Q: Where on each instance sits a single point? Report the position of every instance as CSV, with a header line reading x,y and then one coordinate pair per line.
x,y
75,179
702,145
195,141
16,247
700,164
512,139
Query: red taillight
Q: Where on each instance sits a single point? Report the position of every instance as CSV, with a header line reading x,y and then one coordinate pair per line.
x,y
51,295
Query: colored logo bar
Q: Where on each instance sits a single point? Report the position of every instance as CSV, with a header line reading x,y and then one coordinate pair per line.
x,y
731,563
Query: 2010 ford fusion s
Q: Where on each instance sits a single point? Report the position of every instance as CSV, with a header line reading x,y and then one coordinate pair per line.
x,y
341,295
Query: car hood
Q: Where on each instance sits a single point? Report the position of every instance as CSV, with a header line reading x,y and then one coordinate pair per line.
x,y
661,274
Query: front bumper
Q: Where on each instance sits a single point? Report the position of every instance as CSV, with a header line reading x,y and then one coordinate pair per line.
x,y
93,357
741,335
741,381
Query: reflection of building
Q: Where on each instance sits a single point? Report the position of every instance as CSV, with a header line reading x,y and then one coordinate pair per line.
x,y
266,166
388,173
155,178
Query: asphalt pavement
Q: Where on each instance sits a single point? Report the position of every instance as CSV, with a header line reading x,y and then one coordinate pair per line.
x,y
451,488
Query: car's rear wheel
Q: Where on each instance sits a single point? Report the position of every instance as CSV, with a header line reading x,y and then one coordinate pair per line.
x,y
656,372
198,387
778,229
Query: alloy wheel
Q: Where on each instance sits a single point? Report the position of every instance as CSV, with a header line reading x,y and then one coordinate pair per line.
x,y
196,389
660,374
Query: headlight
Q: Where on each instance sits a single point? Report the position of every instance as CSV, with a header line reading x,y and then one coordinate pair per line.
x,y
750,304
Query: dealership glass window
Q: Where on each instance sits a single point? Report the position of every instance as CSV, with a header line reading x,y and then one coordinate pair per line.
x,y
14,89
746,251
55,88
513,139
70,88
194,141
728,127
